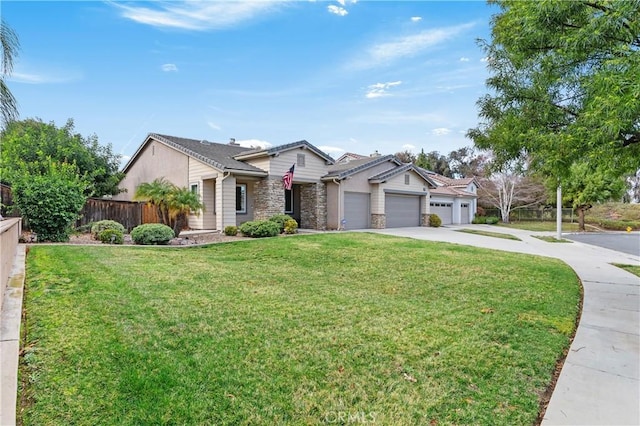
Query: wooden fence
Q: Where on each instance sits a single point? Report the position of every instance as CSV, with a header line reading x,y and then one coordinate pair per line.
x,y
129,214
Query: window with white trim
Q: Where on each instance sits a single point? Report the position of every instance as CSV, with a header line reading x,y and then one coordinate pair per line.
x,y
194,188
300,160
241,198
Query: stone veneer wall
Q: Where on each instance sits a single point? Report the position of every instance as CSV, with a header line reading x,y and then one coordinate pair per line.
x,y
378,221
268,198
425,219
313,206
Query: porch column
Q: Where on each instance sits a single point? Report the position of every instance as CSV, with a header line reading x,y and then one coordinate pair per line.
x,y
425,208
313,206
225,202
378,216
268,198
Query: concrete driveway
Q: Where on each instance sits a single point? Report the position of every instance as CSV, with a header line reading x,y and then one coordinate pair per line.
x,y
618,241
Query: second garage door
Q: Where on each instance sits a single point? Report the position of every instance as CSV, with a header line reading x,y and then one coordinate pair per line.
x,y
402,210
356,210
444,211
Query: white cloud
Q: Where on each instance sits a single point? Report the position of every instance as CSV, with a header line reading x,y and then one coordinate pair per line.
x,y
33,78
464,59
337,10
408,46
169,68
213,125
331,149
380,89
254,143
485,59
441,131
416,18
196,15
408,147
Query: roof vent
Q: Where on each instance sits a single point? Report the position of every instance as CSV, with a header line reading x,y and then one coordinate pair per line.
x,y
232,141
375,154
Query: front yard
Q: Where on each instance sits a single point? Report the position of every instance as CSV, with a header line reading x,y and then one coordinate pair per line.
x,y
332,328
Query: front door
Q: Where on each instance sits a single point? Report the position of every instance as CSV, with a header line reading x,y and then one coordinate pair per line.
x,y
292,202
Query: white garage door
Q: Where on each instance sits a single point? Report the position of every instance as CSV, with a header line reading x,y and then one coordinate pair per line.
x,y
465,213
402,210
356,210
444,211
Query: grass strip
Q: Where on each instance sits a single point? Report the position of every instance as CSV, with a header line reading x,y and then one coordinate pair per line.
x,y
629,268
490,234
297,330
551,239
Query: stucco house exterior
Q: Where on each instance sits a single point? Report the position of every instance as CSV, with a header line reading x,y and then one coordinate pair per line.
x,y
238,184
454,200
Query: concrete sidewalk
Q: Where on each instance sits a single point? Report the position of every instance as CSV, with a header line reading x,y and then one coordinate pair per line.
x,y
600,380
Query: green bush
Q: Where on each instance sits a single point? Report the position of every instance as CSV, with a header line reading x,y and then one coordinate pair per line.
x,y
231,231
434,220
280,219
103,225
260,228
479,220
290,226
50,203
152,234
619,225
492,220
111,236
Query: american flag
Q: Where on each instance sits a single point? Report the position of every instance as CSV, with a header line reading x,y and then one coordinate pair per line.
x,y
287,179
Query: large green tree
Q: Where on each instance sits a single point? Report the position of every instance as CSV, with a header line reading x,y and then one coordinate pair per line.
x,y
9,46
27,147
564,85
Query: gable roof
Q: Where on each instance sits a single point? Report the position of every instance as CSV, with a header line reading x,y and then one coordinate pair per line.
x,y
386,175
220,156
446,181
255,153
343,170
349,156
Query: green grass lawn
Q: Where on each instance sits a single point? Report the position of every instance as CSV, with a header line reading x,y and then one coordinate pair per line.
x,y
490,234
540,226
630,268
551,239
293,330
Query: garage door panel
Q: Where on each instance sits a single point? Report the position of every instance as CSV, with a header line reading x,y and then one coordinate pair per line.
x,y
465,213
356,210
402,210
444,211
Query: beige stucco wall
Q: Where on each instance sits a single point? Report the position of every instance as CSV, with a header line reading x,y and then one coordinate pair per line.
x,y
333,205
156,160
360,181
315,167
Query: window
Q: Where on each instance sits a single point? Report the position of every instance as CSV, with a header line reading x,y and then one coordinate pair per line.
x,y
241,198
288,201
194,188
406,179
300,160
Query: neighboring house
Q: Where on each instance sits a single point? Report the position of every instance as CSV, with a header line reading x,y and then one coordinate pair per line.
x,y
239,184
455,201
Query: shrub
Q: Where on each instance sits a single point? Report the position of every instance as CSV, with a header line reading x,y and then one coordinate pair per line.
x,y
434,220
290,226
280,219
151,234
260,228
231,231
111,236
492,220
103,225
479,220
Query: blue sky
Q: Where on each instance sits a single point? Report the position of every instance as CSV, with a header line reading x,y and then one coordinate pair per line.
x,y
346,76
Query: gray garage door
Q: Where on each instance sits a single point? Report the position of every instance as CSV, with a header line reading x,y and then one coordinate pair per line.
x,y
444,210
356,210
465,213
402,210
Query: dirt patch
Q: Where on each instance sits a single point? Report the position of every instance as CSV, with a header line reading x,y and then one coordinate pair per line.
x,y
188,239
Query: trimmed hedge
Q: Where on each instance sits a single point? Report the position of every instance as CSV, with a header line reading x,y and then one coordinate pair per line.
x,y
492,220
152,234
434,220
231,231
260,228
111,236
290,226
103,225
281,220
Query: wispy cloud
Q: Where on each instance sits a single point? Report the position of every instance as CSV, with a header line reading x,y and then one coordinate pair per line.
x,y
213,125
464,59
337,10
416,18
331,149
254,143
169,68
407,46
380,89
196,15
32,78
440,131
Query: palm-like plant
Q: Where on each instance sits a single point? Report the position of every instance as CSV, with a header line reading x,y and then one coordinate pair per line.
x,y
9,46
173,204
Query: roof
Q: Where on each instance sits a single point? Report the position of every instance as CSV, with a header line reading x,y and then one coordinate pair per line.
x,y
349,156
255,153
451,191
220,156
402,169
446,181
343,170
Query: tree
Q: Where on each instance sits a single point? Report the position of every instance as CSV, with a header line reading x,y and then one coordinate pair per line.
x,y
51,201
564,85
10,46
633,188
465,162
406,156
28,146
509,189
434,162
173,204
587,185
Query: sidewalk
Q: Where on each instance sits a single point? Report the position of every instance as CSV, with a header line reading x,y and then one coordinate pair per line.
x,y
600,380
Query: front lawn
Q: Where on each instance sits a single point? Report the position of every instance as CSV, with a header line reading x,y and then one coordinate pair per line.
x,y
490,234
541,226
330,328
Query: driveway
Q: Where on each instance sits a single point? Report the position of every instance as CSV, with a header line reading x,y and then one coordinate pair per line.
x,y
623,242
